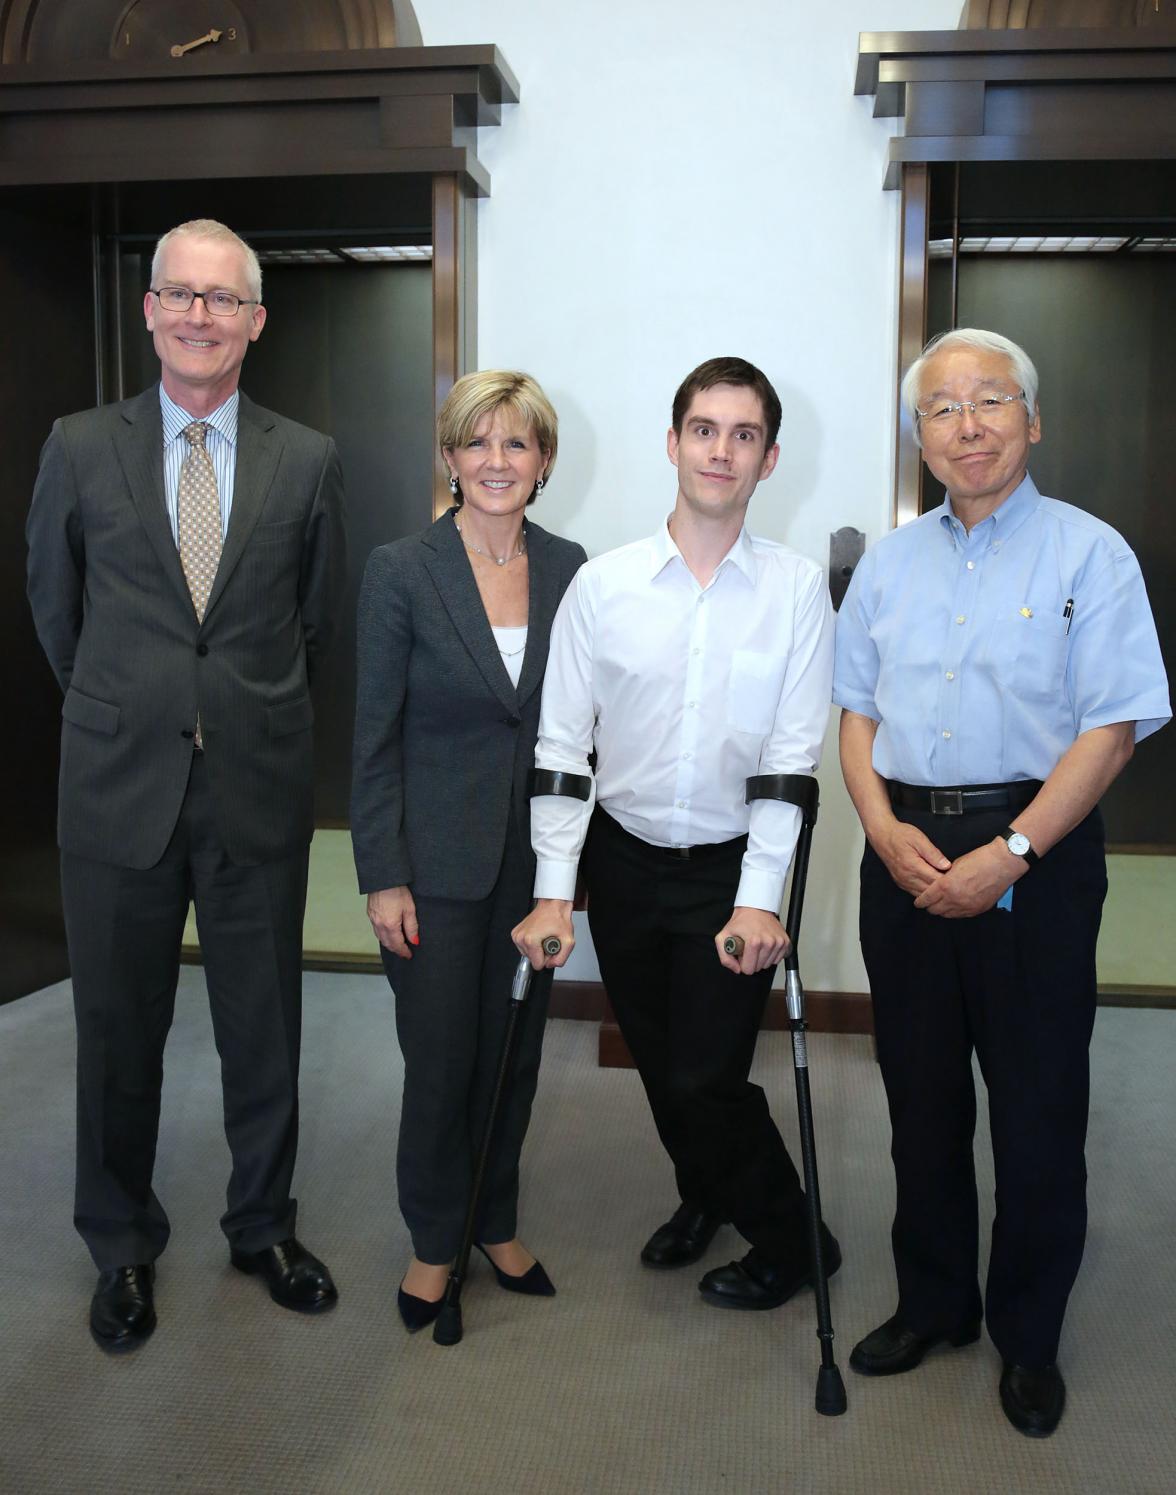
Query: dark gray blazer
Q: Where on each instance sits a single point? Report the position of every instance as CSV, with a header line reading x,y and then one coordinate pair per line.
x,y
443,740
115,618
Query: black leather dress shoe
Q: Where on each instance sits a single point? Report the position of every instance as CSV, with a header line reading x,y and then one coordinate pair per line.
x,y
757,1282
1033,1400
682,1239
122,1310
893,1348
296,1278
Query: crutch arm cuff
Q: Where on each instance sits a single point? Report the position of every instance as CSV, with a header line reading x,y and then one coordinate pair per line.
x,y
799,789
556,781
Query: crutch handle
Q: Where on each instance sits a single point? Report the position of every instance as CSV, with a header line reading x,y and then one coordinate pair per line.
x,y
733,945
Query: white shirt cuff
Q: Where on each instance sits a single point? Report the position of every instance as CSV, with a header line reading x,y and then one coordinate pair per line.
x,y
555,879
760,890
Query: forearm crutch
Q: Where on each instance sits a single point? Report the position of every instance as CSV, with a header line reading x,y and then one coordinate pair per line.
x,y
448,1326
801,790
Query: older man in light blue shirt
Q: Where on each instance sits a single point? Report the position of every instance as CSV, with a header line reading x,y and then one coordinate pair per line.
x,y
996,663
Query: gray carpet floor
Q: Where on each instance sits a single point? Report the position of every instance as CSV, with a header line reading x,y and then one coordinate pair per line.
x,y
626,1381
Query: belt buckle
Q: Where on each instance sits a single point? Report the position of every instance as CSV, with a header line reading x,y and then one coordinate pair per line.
x,y
947,802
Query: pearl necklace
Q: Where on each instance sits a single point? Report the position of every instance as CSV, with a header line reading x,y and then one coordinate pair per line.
x,y
498,560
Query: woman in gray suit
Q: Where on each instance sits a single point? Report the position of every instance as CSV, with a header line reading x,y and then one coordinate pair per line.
x,y
453,630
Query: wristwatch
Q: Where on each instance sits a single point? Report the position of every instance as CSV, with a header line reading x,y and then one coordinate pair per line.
x,y
1019,845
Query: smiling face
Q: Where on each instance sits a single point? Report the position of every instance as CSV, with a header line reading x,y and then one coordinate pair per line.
x,y
721,455
499,465
979,458
201,355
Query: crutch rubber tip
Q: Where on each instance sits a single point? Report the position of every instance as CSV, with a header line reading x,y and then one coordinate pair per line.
x,y
552,945
733,945
830,1391
448,1330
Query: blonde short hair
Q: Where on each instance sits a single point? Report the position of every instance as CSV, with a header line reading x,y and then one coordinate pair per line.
x,y
209,228
475,396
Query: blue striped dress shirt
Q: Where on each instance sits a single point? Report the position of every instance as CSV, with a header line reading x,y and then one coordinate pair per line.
x,y
220,442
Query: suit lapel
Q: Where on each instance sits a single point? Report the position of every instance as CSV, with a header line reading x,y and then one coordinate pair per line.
x,y
543,599
138,440
258,450
453,577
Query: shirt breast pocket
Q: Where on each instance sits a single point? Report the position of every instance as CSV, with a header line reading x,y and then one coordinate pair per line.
x,y
1030,655
753,690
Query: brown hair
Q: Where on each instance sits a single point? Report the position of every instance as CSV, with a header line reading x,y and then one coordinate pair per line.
x,y
729,371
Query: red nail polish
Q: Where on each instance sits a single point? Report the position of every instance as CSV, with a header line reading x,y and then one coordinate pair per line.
x,y
414,939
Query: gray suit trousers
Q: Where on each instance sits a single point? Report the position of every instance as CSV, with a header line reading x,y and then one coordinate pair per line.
x,y
452,1002
124,927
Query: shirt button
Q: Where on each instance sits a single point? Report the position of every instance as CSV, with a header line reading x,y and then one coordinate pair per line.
x,y
686,757
950,675
946,733
971,565
693,705
960,619
996,544
696,651
682,804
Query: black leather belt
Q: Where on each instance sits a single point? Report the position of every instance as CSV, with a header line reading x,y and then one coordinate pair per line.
x,y
966,799
697,853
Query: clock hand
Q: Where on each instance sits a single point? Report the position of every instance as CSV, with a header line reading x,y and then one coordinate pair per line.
x,y
211,36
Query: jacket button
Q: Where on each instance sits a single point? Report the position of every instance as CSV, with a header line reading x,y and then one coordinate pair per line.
x,y
514,721
202,650
188,733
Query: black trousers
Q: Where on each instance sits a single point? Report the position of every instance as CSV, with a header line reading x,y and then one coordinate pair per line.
x,y
452,1003
1018,987
691,1027
124,929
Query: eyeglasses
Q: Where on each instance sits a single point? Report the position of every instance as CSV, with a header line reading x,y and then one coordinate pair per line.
x,y
217,303
990,405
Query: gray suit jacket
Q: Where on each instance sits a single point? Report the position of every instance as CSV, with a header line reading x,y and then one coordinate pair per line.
x,y
443,741
115,618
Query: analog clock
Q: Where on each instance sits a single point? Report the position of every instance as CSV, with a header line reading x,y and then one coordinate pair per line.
x,y
151,30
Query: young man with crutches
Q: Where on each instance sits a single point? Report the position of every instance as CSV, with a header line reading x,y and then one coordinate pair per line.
x,y
690,662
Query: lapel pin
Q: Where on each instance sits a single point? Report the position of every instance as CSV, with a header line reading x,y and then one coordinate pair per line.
x,y
1026,612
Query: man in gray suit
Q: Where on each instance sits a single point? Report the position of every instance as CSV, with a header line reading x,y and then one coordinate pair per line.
x,y
185,558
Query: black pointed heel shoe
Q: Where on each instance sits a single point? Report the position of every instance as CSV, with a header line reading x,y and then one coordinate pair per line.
x,y
534,1283
417,1313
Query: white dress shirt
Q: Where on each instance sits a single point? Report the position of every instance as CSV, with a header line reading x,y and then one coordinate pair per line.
x,y
685,692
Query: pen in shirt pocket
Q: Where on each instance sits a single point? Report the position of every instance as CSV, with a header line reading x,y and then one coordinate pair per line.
x,y
1068,613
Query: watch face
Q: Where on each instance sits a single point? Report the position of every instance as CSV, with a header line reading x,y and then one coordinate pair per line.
x,y
1018,844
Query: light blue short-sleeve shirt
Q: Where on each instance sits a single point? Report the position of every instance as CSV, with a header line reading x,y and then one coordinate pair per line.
x,y
983,655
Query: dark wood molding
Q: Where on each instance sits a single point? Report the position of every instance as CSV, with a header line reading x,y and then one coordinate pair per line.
x,y
1024,95
375,111
455,349
912,330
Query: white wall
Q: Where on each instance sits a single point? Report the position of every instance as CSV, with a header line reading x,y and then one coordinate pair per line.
x,y
681,180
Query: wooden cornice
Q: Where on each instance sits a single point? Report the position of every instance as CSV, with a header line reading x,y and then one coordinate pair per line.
x,y
382,110
1064,95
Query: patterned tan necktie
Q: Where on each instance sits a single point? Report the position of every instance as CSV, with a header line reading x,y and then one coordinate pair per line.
x,y
198,518
198,524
